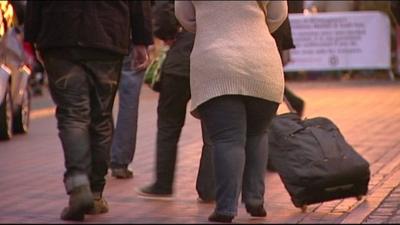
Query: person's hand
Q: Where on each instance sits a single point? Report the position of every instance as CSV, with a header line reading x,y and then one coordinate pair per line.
x,y
140,57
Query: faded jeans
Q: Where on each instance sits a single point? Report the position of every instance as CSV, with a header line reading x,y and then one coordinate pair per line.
x,y
83,84
237,126
124,141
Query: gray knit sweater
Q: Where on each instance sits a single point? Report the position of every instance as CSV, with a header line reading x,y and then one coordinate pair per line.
x,y
234,52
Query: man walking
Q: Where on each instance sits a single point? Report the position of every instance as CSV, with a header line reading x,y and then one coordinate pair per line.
x,y
173,99
82,44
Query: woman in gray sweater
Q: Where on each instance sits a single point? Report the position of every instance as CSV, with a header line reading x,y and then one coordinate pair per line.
x,y
236,85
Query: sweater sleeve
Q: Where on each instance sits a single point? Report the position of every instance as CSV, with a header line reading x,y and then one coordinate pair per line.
x,y
186,15
277,12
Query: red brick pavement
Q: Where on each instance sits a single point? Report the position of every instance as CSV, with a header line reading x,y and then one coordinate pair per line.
x,y
388,211
367,112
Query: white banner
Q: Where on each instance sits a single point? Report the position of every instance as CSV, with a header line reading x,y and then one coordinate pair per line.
x,y
336,41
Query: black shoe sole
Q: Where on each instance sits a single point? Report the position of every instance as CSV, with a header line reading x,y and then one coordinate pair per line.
x,y
215,217
152,196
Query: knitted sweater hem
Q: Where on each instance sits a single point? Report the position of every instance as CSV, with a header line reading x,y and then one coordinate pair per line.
x,y
269,90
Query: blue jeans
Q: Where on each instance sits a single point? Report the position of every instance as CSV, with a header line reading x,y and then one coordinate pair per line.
x,y
124,140
237,127
205,182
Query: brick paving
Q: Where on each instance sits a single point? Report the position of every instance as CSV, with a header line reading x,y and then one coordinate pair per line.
x,y
367,112
388,211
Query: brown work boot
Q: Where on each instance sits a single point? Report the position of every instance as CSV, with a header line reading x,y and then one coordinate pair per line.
x,y
121,173
80,200
100,205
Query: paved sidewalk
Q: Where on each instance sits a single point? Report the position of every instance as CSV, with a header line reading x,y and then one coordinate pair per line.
x,y
388,211
367,112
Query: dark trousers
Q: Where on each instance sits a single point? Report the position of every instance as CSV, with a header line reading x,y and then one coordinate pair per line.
x,y
172,104
83,90
237,127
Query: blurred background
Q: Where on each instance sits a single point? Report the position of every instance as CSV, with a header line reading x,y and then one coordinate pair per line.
x,y
344,40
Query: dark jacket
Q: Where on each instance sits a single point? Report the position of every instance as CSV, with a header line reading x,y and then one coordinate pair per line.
x,y
283,36
167,27
105,25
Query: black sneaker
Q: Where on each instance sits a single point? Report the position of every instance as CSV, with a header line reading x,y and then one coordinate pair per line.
x,y
256,211
151,192
215,217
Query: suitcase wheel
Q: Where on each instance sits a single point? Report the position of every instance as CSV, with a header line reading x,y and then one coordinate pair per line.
x,y
359,198
304,208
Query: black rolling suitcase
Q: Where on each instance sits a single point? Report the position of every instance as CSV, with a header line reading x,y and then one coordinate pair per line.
x,y
314,161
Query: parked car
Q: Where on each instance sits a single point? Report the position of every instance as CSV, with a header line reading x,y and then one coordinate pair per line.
x,y
15,97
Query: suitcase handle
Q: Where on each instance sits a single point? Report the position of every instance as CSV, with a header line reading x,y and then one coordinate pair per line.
x,y
289,106
341,187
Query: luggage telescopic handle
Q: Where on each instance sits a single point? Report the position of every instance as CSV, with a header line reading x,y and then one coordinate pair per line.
x,y
290,107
